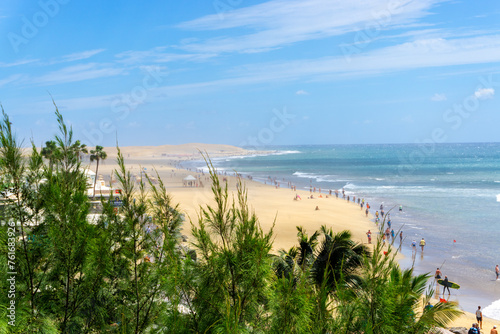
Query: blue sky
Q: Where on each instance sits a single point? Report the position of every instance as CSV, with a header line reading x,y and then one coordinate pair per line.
x,y
246,72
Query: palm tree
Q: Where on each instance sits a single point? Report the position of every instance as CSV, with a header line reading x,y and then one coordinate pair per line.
x,y
50,152
388,299
79,149
307,245
323,265
338,257
97,155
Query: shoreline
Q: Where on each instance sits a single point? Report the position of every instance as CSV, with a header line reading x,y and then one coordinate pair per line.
x,y
268,203
469,295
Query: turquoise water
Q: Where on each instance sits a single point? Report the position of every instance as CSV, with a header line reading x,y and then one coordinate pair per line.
x,y
450,195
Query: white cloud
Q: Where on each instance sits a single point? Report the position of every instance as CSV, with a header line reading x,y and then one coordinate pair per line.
x,y
77,73
439,97
18,63
301,92
134,124
80,55
484,93
407,56
407,119
10,79
41,122
158,55
82,103
402,57
425,53
277,23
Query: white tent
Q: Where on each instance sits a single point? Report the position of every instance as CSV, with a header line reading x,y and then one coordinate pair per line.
x,y
190,181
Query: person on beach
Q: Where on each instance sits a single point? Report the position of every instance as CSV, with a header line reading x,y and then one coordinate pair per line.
x,y
317,208
473,330
400,208
369,234
376,214
366,211
494,330
422,244
437,275
497,271
446,285
401,237
387,234
389,223
414,246
479,317
392,235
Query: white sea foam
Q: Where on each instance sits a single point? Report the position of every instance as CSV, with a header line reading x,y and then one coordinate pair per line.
x,y
319,177
285,152
493,310
498,198
305,175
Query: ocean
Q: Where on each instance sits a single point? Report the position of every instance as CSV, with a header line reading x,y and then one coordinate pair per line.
x,y
450,194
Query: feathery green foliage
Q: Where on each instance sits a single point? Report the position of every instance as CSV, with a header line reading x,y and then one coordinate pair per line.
x,y
389,300
127,271
233,266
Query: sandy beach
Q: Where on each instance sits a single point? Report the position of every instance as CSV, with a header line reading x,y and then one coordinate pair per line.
x,y
271,204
